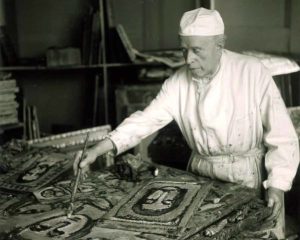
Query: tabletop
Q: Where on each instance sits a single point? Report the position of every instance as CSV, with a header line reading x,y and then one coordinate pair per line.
x,y
172,204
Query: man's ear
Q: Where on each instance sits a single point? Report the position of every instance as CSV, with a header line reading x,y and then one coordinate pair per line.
x,y
220,41
223,40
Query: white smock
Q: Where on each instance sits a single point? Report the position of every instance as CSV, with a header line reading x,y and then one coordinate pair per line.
x,y
231,123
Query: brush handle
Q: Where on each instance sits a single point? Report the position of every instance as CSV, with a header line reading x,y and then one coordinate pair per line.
x,y
75,187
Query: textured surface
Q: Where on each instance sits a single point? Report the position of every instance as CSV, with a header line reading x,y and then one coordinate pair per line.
x,y
158,206
43,215
37,169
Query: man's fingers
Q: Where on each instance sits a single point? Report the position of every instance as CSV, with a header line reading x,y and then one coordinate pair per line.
x,y
275,198
75,169
85,161
276,208
76,161
271,203
273,216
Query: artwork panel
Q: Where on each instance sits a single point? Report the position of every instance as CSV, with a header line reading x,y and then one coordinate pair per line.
x,y
107,184
97,184
109,233
161,206
14,160
245,219
6,197
18,213
57,192
31,208
28,219
149,213
223,199
35,173
62,190
200,204
57,227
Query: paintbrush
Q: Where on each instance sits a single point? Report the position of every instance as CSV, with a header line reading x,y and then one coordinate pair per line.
x,y
78,174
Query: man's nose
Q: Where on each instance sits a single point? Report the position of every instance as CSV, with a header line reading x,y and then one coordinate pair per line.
x,y
189,57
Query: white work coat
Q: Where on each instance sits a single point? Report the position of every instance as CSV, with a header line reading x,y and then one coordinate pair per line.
x,y
229,123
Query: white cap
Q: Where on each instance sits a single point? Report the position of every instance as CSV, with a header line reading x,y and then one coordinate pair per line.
x,y
201,22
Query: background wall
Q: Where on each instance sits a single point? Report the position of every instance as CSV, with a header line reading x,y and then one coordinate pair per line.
x,y
269,25
295,28
48,23
63,99
254,24
154,23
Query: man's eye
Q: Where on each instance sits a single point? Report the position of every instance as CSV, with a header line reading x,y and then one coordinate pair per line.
x,y
196,50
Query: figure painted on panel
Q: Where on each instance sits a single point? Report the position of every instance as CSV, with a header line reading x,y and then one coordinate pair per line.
x,y
159,201
58,227
37,170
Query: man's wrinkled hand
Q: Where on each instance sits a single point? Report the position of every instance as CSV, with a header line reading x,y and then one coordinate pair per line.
x,y
88,158
91,155
275,201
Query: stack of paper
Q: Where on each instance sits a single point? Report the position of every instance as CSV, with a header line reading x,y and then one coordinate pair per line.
x,y
8,103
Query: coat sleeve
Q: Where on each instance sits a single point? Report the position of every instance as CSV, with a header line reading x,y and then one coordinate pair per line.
x,y
143,123
280,138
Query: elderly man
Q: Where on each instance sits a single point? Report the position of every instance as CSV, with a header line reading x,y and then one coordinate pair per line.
x,y
229,111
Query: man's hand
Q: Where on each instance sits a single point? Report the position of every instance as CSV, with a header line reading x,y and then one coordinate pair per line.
x,y
275,200
90,155
88,158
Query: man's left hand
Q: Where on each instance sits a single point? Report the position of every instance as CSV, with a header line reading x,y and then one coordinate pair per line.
x,y
275,200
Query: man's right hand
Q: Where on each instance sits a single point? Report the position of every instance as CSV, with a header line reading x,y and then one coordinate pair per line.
x,y
88,158
91,154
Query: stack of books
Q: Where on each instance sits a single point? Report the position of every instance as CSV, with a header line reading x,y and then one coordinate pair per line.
x,y
8,103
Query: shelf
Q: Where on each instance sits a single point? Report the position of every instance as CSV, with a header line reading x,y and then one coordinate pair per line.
x,y
44,68
11,126
78,67
154,64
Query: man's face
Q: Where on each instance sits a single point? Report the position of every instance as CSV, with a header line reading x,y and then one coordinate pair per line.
x,y
202,54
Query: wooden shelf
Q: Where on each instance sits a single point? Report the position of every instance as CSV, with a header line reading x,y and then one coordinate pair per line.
x,y
154,64
45,68
77,67
11,126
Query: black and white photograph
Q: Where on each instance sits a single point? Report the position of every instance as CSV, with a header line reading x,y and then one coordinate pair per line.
x,y
149,119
